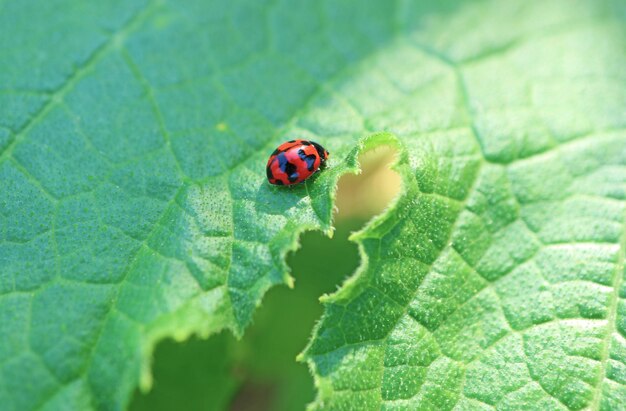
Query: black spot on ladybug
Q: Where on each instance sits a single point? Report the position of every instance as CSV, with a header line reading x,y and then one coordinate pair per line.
x,y
270,175
309,160
292,171
275,152
291,141
279,183
305,143
286,167
282,161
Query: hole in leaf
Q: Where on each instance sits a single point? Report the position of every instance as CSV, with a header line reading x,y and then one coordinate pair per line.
x,y
361,197
260,371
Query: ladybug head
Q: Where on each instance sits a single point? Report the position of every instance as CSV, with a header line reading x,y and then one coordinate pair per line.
x,y
321,151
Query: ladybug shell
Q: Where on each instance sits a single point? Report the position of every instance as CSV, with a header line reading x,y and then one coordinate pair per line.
x,y
295,161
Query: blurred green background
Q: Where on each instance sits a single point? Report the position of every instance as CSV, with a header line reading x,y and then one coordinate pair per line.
x,y
260,372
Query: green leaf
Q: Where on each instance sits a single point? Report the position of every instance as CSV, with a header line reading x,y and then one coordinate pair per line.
x,y
259,370
496,280
133,201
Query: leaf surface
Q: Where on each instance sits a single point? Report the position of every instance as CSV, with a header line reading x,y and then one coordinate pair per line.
x,y
133,201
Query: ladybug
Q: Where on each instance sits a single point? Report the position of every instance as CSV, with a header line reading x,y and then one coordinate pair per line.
x,y
295,161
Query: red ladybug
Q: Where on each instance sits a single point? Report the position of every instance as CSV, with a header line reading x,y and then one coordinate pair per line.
x,y
295,161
